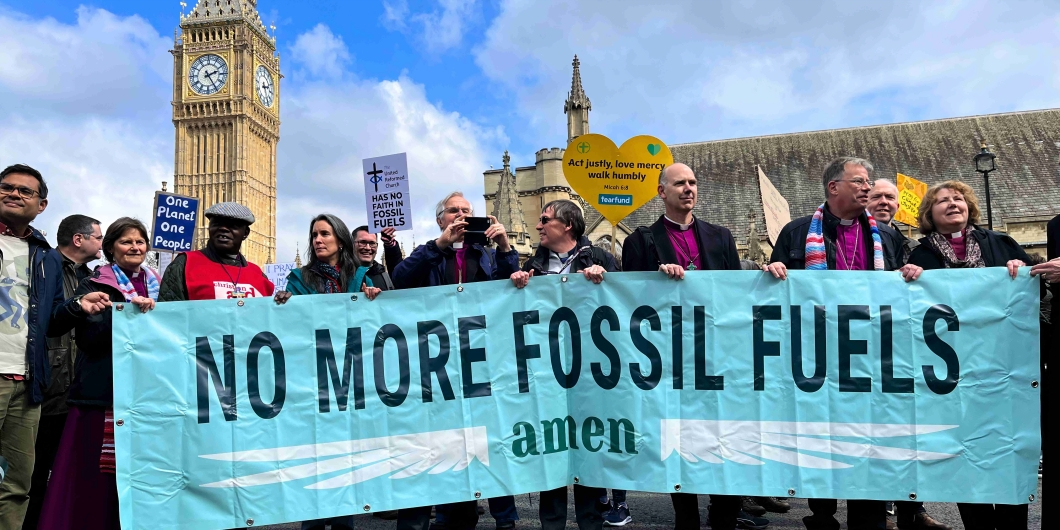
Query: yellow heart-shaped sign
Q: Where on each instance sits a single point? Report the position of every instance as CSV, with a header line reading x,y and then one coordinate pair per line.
x,y
615,180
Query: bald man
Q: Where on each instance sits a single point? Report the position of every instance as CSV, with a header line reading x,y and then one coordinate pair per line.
x,y
676,243
883,205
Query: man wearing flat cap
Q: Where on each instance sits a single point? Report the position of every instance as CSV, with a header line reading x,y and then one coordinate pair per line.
x,y
218,271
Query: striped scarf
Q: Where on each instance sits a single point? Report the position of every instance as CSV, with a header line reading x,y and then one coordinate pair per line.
x,y
817,257
126,286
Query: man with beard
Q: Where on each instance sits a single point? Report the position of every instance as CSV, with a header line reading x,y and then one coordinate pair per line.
x,y
218,271
676,243
841,235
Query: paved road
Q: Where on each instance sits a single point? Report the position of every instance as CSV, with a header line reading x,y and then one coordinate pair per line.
x,y
654,511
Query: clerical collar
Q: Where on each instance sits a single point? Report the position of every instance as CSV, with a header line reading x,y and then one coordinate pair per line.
x,y
458,244
955,235
675,224
847,222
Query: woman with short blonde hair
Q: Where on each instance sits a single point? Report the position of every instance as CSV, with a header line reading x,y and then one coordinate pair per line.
x,y
948,216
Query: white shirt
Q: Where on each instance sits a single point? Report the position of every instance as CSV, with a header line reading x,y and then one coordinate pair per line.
x,y
14,304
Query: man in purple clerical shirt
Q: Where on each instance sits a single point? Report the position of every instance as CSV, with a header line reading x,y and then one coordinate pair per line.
x,y
841,235
676,243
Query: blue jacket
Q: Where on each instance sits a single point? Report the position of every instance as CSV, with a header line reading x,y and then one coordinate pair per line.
x,y
45,297
427,266
297,285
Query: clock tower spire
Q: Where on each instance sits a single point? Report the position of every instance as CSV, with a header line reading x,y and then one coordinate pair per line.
x,y
226,108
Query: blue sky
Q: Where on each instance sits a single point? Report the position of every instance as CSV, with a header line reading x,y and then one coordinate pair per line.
x,y
85,86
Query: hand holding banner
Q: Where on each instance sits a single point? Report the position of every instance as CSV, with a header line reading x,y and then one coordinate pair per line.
x,y
726,382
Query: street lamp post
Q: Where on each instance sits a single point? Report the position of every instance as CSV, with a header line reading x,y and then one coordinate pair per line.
x,y
984,163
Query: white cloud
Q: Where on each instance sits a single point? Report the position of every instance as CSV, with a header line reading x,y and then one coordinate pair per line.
x,y
439,31
690,71
321,52
329,128
87,105
104,148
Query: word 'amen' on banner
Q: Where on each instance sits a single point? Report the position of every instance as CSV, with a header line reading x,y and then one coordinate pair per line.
x,y
831,384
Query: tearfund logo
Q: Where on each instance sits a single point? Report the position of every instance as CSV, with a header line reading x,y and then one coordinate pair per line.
x,y
615,180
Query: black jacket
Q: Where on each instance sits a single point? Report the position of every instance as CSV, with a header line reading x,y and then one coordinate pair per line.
x,y
45,296
791,243
94,379
648,247
997,248
587,256
61,350
379,275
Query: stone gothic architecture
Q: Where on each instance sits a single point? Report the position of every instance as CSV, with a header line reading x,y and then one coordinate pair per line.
x,y
226,111
1025,189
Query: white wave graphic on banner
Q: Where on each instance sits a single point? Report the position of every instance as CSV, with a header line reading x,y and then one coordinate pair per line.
x,y
788,442
399,456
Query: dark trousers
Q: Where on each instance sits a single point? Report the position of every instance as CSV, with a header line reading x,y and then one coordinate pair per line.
x,y
722,515
337,523
861,515
49,432
462,516
553,509
993,516
501,508
907,511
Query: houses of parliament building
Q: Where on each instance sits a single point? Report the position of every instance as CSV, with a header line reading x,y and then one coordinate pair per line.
x,y
1025,189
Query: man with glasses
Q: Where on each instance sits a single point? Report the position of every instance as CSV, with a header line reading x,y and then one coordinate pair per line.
x,y
449,260
31,284
367,246
841,235
80,240
564,249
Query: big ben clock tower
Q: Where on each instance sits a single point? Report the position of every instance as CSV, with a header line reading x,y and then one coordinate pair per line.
x,y
226,110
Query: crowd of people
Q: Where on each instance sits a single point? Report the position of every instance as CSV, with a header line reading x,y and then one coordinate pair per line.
x,y
56,374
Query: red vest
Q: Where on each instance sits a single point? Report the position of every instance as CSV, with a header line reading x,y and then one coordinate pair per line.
x,y
208,280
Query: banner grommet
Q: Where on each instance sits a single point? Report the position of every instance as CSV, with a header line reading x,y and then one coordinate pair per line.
x,y
478,494
119,307
239,303
460,288
1034,384
250,522
353,298
576,480
563,279
912,496
1030,497
119,422
791,492
367,507
677,487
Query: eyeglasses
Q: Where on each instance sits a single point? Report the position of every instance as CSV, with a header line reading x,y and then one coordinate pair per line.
x,y
859,182
366,244
454,209
545,219
24,192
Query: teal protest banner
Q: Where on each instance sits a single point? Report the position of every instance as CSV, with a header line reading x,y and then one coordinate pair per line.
x,y
832,384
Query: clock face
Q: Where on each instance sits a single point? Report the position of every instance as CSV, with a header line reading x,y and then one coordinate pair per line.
x,y
208,74
263,84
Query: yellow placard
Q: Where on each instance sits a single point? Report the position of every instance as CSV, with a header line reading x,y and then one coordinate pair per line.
x,y
910,192
615,180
